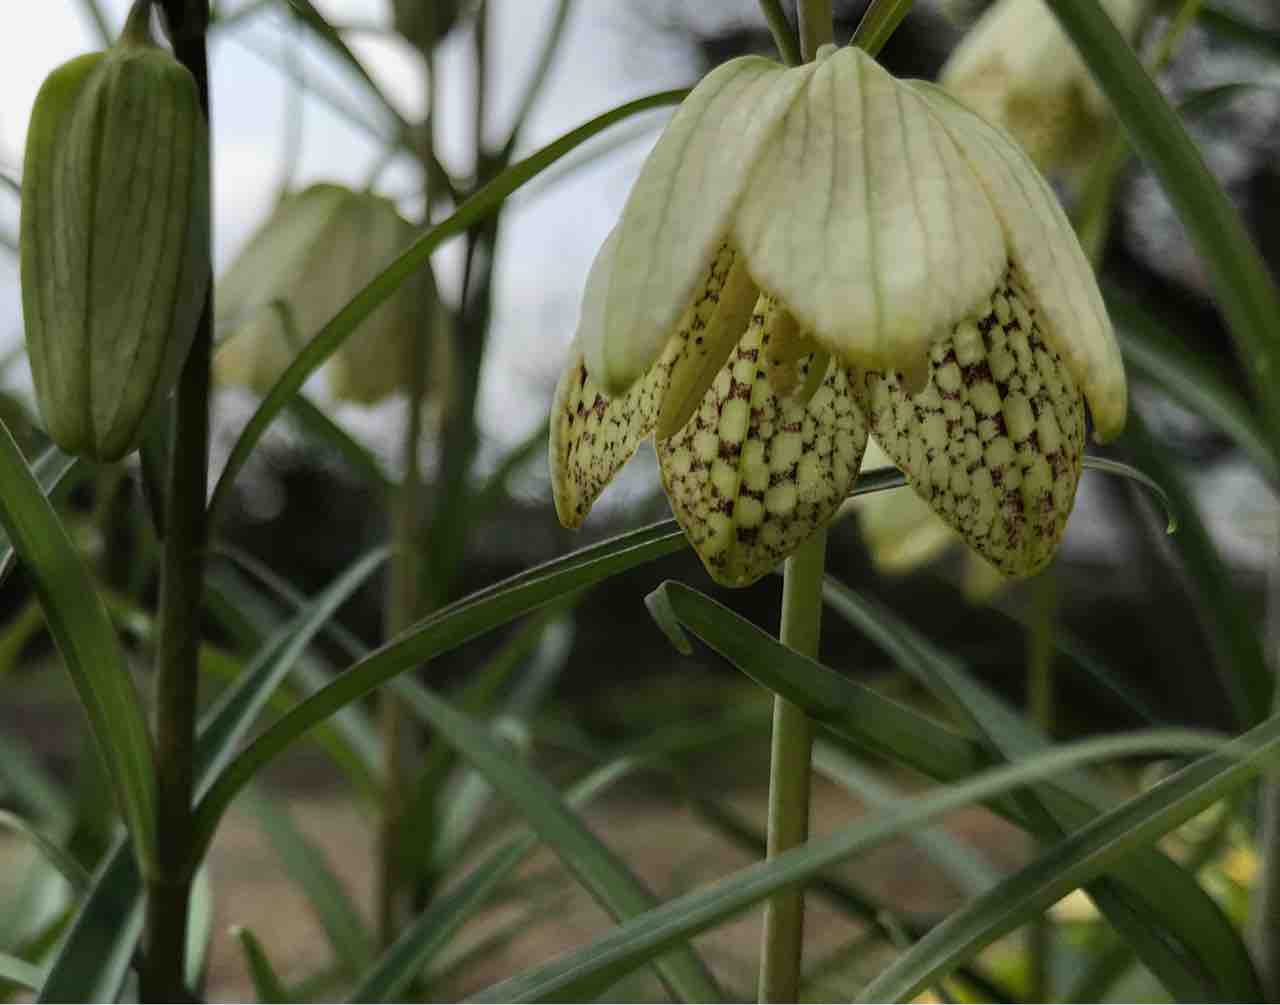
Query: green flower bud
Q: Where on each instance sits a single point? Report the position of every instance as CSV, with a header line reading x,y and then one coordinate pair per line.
x,y
318,249
114,239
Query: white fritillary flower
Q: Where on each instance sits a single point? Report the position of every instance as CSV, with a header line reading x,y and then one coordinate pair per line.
x,y
814,253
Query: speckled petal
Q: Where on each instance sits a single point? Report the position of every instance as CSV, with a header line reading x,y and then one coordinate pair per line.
x,y
863,217
1040,239
754,473
678,211
593,435
994,441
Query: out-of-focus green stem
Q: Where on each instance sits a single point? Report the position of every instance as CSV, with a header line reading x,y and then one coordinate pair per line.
x,y
782,944
1040,711
780,28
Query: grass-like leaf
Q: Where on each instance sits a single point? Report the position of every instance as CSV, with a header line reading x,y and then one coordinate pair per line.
x,y
20,972
266,982
1160,899
596,867
403,962
440,632
588,971
80,626
1083,855
305,864
70,870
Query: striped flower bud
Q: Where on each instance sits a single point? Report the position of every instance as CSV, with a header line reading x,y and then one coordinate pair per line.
x,y
114,239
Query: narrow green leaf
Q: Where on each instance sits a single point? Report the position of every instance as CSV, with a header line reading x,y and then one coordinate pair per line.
x,y
390,977
595,866
1178,930
1085,854
588,971
20,972
1245,290
57,473
966,866
93,11
26,781
199,927
70,870
93,959
226,723
481,205
305,864
1187,916
878,24
317,424
266,983
444,630
79,625
1239,659
1229,25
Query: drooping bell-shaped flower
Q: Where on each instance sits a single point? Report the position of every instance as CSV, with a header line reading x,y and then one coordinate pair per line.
x,y
1017,68
816,251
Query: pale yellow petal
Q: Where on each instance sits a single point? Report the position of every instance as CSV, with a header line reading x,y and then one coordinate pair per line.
x,y
1055,270
899,528
994,442
678,211
593,435
754,474
865,220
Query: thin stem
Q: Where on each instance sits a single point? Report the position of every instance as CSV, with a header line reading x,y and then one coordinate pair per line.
x,y
816,26
181,586
783,37
789,774
404,595
1040,711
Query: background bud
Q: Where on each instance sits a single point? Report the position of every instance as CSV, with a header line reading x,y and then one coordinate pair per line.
x,y
318,249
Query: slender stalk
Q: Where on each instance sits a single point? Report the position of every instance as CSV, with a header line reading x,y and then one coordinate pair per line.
x,y
789,774
1040,711
168,887
783,37
404,593
816,26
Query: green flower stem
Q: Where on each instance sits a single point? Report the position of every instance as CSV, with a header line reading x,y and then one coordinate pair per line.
x,y
783,37
168,884
816,26
1040,711
789,774
404,593
1264,907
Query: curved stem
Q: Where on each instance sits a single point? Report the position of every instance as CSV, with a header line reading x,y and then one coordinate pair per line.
x,y
780,28
789,773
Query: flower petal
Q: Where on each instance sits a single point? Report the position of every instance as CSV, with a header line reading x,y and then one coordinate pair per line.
x,y
994,442
592,435
1055,270
754,474
864,219
678,212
